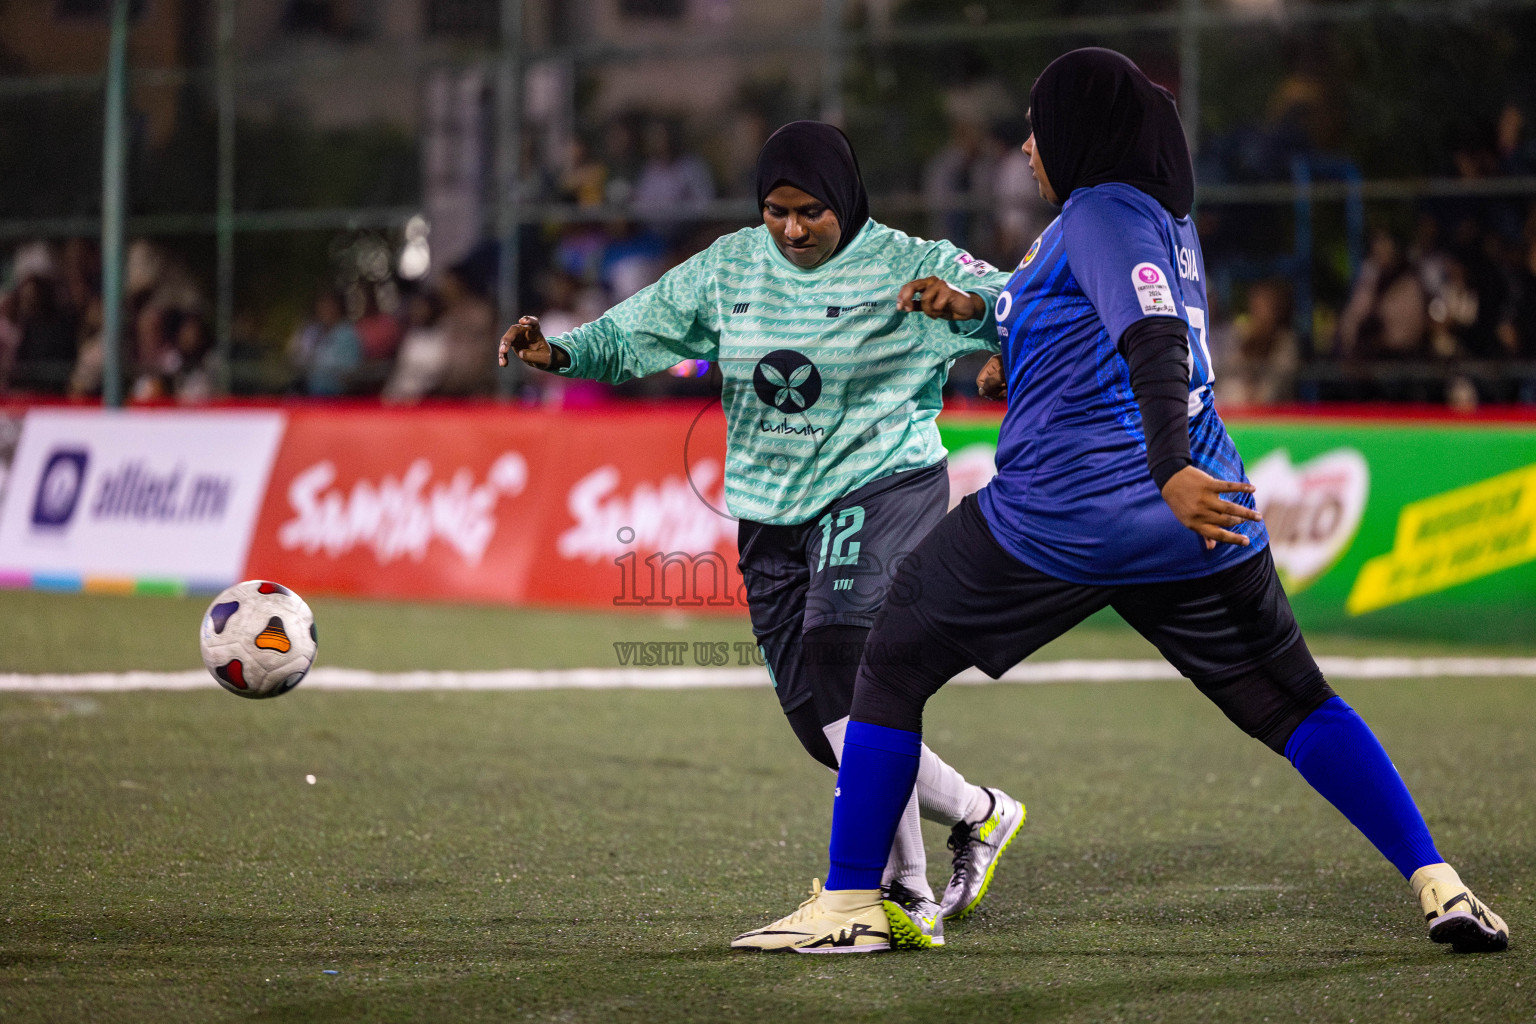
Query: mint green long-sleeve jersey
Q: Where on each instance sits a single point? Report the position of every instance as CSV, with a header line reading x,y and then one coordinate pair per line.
x,y
827,386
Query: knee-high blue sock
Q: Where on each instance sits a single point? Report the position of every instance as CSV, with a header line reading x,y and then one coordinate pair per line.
x,y
1338,754
874,782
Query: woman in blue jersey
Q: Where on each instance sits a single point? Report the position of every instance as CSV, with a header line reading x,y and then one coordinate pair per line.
x,y
1113,468
831,384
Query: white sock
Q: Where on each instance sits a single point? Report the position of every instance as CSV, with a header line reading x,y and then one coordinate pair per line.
x,y
980,807
908,862
943,794
835,731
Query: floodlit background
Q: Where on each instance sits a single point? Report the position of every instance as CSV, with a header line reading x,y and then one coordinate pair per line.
x,y
415,171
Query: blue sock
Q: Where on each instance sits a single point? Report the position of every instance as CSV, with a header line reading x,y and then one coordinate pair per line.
x,y
1338,754
874,783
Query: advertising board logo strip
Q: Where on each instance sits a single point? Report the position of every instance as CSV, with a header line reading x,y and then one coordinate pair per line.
x,y
1452,538
63,583
107,585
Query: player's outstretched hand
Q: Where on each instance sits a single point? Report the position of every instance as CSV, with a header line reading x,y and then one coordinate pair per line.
x,y
991,382
934,297
525,338
1196,499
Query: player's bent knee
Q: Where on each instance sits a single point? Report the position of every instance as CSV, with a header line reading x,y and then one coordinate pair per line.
x,y
807,727
1268,701
895,682
891,695
905,661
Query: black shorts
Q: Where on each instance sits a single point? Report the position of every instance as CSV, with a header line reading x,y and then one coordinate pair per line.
x,y
962,589
835,569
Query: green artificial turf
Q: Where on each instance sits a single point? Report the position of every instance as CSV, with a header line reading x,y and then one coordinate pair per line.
x,y
42,632
45,632
586,856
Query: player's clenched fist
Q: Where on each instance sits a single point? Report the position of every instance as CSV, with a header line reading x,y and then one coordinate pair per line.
x,y
991,382
934,297
1196,499
525,338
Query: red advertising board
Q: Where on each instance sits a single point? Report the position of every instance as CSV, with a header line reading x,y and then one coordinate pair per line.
x,y
621,509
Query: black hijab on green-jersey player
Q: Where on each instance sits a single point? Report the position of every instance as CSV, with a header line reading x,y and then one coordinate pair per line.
x,y
818,160
1097,118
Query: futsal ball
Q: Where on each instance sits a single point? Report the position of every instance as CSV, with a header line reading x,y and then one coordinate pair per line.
x,y
258,639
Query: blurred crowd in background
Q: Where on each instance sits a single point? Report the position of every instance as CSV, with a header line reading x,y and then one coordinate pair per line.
x,y
1442,308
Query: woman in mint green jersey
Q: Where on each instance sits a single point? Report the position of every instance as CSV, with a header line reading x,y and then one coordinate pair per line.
x,y
834,335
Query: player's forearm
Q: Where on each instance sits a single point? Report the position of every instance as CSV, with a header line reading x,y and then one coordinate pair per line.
x,y
984,328
975,307
1157,351
646,333
976,334
595,351
989,288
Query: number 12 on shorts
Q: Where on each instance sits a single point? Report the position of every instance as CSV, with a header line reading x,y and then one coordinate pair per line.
x,y
843,548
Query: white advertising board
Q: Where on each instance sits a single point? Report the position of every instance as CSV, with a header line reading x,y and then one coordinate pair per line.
x,y
135,495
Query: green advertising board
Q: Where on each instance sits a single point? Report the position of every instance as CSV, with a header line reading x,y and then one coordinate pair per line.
x,y
1422,528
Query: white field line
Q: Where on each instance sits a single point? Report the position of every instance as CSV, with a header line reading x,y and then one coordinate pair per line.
x,y
1081,671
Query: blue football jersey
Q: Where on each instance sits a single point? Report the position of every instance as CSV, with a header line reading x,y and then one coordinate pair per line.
x,y
1073,496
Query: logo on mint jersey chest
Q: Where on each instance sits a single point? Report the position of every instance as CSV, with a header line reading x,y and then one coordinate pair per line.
x,y
787,380
833,312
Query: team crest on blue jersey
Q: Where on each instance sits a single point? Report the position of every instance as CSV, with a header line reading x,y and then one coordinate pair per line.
x,y
1029,257
787,380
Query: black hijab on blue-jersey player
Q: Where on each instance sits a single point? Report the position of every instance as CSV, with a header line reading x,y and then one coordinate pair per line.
x,y
1098,119
818,160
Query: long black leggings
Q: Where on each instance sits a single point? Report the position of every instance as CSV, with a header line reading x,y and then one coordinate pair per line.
x,y
830,657
1231,632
